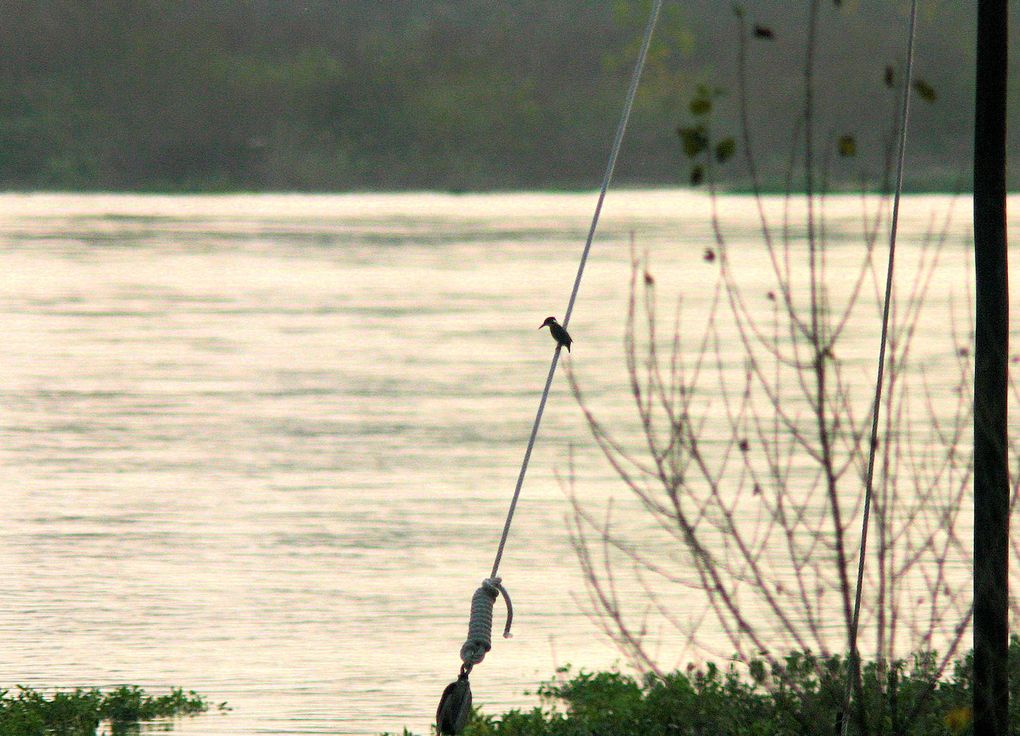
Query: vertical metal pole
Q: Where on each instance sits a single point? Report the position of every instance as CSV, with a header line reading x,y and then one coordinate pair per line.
x,y
991,484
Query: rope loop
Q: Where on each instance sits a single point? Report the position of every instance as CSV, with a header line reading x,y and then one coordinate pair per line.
x,y
497,583
479,638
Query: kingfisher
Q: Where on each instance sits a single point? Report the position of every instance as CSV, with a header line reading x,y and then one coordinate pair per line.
x,y
560,335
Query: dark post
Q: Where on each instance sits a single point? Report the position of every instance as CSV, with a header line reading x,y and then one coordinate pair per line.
x,y
991,484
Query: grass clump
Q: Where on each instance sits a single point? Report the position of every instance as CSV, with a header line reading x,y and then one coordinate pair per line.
x,y
28,712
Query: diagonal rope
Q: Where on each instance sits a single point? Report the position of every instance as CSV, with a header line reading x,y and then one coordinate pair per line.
x,y
617,142
873,442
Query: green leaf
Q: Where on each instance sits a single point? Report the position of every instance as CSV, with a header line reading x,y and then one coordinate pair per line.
x,y
695,140
697,175
847,146
701,105
725,149
925,91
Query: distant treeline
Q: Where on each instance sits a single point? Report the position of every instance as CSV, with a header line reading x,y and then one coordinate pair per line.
x,y
454,94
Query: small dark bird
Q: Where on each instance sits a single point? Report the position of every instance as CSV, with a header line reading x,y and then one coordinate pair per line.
x,y
561,336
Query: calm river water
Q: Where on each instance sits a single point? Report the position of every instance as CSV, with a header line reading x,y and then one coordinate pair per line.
x,y
262,446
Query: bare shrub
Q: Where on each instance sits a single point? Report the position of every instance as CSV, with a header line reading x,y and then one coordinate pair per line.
x,y
754,416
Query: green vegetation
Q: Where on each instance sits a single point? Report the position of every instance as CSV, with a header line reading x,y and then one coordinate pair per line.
x,y
28,712
800,697
459,94
257,94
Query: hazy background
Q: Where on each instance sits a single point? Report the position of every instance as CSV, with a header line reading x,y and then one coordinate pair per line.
x,y
458,94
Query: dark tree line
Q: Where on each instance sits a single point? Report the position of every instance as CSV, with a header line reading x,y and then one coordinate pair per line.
x,y
454,94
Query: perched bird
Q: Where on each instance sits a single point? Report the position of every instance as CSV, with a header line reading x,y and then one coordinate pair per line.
x,y
560,335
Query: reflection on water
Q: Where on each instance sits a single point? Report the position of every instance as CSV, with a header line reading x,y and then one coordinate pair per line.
x,y
262,446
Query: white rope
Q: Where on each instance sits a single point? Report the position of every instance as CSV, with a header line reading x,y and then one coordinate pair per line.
x,y
617,142
479,639
873,443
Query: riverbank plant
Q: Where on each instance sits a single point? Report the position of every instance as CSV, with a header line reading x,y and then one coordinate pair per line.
x,y
80,712
801,694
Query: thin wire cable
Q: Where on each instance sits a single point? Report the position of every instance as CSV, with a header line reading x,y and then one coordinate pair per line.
x,y
873,443
617,142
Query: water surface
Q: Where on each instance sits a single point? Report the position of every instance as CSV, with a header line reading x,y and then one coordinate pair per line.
x,y
261,446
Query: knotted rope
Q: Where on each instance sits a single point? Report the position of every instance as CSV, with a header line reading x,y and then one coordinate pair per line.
x,y
479,638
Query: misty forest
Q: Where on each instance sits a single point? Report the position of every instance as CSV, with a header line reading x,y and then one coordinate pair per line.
x,y
215,95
